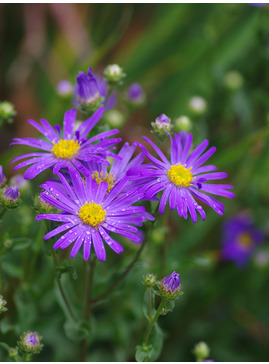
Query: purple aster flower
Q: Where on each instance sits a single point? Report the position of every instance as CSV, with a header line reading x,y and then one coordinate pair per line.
x,y
65,88
90,213
92,90
66,148
2,177
240,239
11,193
135,94
171,283
118,169
183,179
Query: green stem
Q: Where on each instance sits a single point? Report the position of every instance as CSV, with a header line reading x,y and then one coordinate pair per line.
x,y
64,297
121,277
151,324
150,304
87,306
2,213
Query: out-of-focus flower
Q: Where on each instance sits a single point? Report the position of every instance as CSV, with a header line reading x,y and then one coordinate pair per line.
x,y
65,89
68,148
261,259
90,213
114,74
2,177
197,105
114,118
135,95
183,123
10,197
233,80
201,351
183,178
240,239
91,92
7,112
20,182
30,342
2,304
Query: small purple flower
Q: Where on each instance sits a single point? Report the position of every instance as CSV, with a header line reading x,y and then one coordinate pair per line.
x,y
90,213
2,177
171,283
30,342
66,148
240,239
65,88
92,91
162,124
11,193
183,178
170,287
135,94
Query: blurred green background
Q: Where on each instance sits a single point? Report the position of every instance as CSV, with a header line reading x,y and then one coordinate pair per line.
x,y
175,51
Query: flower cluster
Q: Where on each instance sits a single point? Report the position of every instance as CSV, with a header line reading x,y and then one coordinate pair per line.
x,y
91,198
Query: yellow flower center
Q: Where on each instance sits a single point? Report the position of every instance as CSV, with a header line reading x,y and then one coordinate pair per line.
x,y
108,178
65,149
179,175
92,214
245,240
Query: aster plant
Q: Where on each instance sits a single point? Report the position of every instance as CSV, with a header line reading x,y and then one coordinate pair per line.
x,y
99,197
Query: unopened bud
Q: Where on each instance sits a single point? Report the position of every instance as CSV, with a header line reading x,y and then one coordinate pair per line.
x,y
114,118
233,80
7,112
183,123
43,207
2,304
149,280
201,351
113,73
10,197
30,342
197,105
170,287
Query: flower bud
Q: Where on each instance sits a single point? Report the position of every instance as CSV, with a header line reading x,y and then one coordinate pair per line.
x,y
2,304
2,177
87,91
170,287
10,197
7,112
114,118
43,207
30,342
233,80
183,123
135,95
149,280
201,351
197,105
65,89
13,354
113,73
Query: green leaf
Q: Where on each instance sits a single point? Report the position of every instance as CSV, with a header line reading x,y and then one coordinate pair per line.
x,y
5,346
